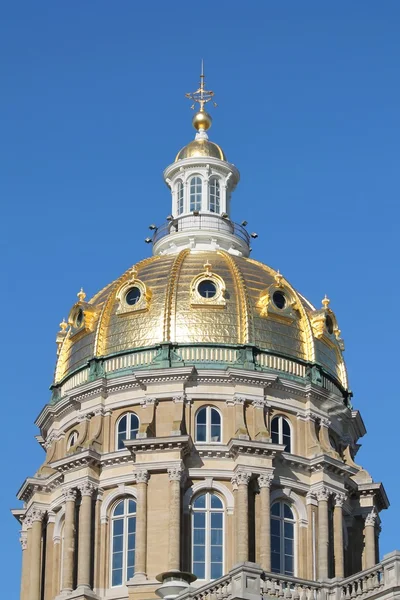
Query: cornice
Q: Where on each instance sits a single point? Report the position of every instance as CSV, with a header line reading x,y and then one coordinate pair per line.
x,y
77,460
377,491
32,485
182,443
237,447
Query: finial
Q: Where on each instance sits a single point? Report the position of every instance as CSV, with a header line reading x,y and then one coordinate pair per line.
x,y
278,277
134,272
63,325
201,120
81,295
325,302
207,265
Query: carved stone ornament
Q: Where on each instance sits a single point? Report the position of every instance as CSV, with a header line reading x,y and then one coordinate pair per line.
x,y
371,518
179,398
259,403
86,488
143,295
325,422
175,474
148,401
340,499
243,477
70,494
265,480
323,494
24,543
218,300
142,476
35,514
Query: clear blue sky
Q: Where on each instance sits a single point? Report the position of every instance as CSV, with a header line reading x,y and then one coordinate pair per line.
x,y
92,109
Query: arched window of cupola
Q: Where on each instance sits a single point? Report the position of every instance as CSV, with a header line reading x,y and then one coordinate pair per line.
x,y
207,536
282,539
208,425
179,198
281,432
127,429
195,186
214,196
123,541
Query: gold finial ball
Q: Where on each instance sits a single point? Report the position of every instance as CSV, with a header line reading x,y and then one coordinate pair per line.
x,y
202,121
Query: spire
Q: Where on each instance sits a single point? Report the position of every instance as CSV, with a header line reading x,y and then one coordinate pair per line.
x,y
201,120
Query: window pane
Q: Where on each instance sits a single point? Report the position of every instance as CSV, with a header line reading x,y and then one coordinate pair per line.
x,y
122,425
132,525
287,512
285,427
202,416
131,558
286,441
275,543
201,433
288,565
275,425
199,570
119,509
200,502
117,543
275,563
216,570
121,439
216,537
276,509
216,553
134,426
215,433
131,506
216,520
131,541
130,572
117,577
199,520
215,502
288,547
215,417
199,536
118,527
289,530
117,560
199,553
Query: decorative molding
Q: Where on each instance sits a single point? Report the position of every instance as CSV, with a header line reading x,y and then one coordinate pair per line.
x,y
323,494
295,500
340,499
86,488
265,479
70,494
141,476
371,518
242,477
175,473
209,484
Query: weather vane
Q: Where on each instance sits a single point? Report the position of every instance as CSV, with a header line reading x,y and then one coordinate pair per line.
x,y
201,95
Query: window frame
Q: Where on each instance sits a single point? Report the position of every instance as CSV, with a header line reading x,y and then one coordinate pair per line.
x,y
128,428
280,419
195,205
208,408
216,194
70,437
208,510
282,520
126,516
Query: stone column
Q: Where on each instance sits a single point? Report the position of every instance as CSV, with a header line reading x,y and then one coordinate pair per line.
x,y
85,534
56,571
369,539
142,477
242,521
48,573
264,482
35,554
174,525
24,568
97,539
338,535
323,532
69,541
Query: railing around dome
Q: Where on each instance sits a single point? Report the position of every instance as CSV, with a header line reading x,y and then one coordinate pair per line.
x,y
208,221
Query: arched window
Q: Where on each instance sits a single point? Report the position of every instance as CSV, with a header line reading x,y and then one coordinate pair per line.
x,y
214,196
208,425
280,432
73,438
195,193
180,198
282,538
127,429
207,536
123,533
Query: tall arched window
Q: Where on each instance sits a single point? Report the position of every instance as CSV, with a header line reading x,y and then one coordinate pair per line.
x,y
207,536
282,538
180,198
280,432
214,196
127,429
195,193
208,425
123,533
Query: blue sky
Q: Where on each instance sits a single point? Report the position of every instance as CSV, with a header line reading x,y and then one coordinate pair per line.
x,y
92,109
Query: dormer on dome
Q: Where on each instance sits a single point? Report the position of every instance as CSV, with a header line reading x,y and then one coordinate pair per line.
x,y
201,181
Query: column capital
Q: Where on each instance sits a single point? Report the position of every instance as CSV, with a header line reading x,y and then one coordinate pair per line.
x,y
371,518
340,499
242,477
142,476
35,514
265,480
323,494
175,473
259,403
325,422
86,488
70,494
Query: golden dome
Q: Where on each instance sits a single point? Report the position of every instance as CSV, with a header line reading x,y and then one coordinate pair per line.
x,y
201,148
246,313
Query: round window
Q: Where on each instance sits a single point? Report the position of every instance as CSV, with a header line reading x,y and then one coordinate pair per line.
x,y
79,318
279,299
329,324
207,288
133,296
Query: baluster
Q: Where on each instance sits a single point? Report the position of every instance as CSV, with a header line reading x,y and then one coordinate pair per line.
x,y
303,593
272,587
348,595
280,589
287,591
296,594
343,592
